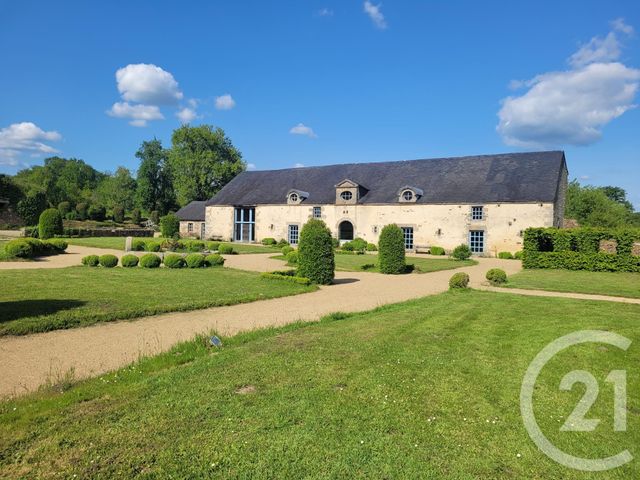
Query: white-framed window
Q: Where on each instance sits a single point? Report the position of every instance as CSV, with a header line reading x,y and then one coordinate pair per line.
x,y
477,213
476,241
293,197
189,227
317,212
293,234
407,195
408,237
244,224
346,195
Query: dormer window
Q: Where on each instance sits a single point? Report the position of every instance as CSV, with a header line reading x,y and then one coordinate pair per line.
x,y
295,197
409,194
346,195
348,192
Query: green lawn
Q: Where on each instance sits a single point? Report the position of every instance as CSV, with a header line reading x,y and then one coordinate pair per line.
x,y
354,263
244,248
619,284
424,389
118,244
50,299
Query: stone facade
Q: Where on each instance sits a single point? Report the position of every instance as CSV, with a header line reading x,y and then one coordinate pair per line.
x,y
192,229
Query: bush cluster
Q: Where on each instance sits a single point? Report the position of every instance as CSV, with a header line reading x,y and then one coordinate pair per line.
x,y
496,276
286,250
282,243
108,261
292,257
214,260
316,259
91,260
461,252
391,256
150,260
505,255
195,260
169,225
225,249
436,251
33,247
129,261
152,246
213,246
138,245
174,260
50,224
355,245
459,280
371,247
269,241
286,278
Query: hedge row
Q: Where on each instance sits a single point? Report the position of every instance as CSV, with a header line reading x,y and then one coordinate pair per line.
x,y
579,249
151,260
32,247
170,245
107,232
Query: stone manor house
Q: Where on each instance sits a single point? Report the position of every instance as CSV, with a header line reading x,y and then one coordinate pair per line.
x,y
484,201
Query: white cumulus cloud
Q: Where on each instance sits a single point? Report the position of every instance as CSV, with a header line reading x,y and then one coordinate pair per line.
x,y
225,102
619,25
571,106
325,12
138,114
302,129
146,83
251,166
22,138
187,115
375,13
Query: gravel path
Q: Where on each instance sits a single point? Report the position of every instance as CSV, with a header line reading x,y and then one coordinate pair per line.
x,y
70,258
27,362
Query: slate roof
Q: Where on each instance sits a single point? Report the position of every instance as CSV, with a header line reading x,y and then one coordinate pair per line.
x,y
510,177
192,211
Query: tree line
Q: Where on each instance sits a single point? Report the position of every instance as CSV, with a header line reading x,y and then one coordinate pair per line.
x,y
200,161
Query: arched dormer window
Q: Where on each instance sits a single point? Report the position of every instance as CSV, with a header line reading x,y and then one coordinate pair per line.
x,y
295,197
409,194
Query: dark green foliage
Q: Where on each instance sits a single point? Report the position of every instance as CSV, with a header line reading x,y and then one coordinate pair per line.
x,y
72,215
292,257
135,216
91,260
286,278
82,209
64,208
225,249
195,246
579,249
118,189
50,223
316,260
195,260
213,246
97,212
118,214
269,241
391,250
505,255
461,252
356,245
496,276
173,260
287,249
58,245
367,266
138,245
154,216
436,251
10,189
152,246
169,225
459,280
605,207
108,261
30,208
19,248
129,261
335,242
282,243
170,245
154,191
371,247
518,255
150,260
214,260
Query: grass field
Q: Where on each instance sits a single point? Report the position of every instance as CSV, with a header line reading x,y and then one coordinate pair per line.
x,y
50,299
353,263
424,389
618,284
117,243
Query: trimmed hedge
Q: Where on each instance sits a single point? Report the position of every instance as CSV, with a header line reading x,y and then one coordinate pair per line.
x,y
461,252
292,257
391,250
173,260
129,261
518,255
195,260
19,248
213,246
269,241
150,260
108,260
286,278
505,255
436,251
371,247
579,249
459,280
58,245
32,247
91,260
286,250
214,260
282,243
138,245
496,276
355,245
50,223
169,225
316,260
225,249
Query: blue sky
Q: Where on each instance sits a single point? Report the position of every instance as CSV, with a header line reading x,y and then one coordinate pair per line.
x,y
320,82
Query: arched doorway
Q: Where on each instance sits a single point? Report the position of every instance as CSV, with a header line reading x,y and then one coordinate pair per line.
x,y
345,230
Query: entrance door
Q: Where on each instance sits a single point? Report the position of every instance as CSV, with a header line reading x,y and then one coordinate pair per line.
x,y
345,230
202,231
244,224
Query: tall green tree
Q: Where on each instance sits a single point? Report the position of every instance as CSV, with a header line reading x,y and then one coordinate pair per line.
x,y
592,207
154,190
118,189
202,161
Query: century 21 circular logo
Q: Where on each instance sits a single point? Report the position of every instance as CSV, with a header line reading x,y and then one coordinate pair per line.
x,y
576,421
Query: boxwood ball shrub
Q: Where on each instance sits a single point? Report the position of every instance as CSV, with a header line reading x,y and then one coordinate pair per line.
x,y
459,280
19,248
505,255
286,250
50,223
461,252
436,251
91,260
58,244
129,261
138,245
292,257
225,249
152,246
195,246
213,246
391,256
108,261
316,259
214,260
371,247
518,255
496,276
150,260
269,241
282,242
173,260
169,225
195,260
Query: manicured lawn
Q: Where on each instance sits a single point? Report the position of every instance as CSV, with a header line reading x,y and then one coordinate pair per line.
x,y
354,263
118,244
243,248
619,284
50,299
424,389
